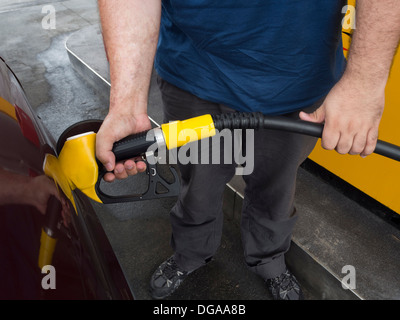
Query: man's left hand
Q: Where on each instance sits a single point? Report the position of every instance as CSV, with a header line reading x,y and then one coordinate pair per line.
x,y
351,112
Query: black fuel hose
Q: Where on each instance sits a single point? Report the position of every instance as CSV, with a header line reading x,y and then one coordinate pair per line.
x,y
257,120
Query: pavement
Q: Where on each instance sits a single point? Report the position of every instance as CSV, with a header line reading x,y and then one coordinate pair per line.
x,y
65,76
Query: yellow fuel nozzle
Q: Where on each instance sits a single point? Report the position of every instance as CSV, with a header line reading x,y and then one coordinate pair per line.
x,y
76,167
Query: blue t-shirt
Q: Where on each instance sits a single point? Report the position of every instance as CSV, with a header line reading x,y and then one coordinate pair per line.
x,y
255,55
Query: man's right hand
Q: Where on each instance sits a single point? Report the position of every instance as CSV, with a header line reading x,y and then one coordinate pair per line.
x,y
130,32
115,127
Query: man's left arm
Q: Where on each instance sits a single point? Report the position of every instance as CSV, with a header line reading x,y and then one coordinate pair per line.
x,y
353,108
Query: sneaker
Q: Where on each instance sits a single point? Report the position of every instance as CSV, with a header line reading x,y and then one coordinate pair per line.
x,y
166,279
285,287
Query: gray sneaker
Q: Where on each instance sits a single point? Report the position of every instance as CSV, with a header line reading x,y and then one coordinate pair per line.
x,y
285,287
166,279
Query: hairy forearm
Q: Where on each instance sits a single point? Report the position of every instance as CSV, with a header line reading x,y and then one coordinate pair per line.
x,y
375,41
353,109
130,32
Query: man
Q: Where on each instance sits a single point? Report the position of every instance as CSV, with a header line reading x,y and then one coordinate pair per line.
x,y
279,58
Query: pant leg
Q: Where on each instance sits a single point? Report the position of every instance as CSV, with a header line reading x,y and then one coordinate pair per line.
x,y
197,217
268,214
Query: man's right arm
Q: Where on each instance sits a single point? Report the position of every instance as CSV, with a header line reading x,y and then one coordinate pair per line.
x,y
130,32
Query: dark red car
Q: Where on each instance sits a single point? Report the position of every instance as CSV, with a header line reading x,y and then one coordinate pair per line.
x,y
67,244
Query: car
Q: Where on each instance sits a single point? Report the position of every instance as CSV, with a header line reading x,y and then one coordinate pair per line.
x,y
63,252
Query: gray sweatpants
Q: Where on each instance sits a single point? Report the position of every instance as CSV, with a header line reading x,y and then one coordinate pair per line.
x,y
268,214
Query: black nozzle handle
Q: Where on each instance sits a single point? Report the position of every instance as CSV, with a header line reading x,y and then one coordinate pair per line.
x,y
134,145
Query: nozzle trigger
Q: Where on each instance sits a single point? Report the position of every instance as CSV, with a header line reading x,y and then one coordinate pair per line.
x,y
154,180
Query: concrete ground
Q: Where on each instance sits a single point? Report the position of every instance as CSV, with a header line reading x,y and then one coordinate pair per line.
x,y
333,231
39,59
